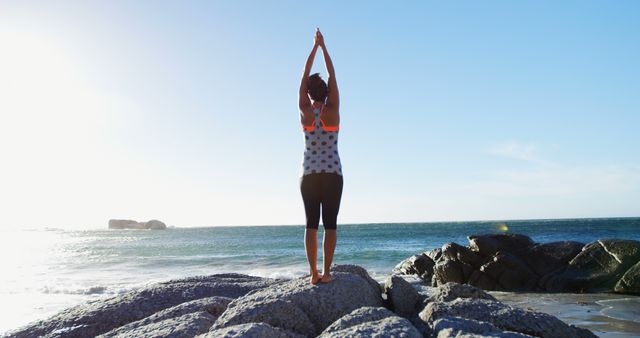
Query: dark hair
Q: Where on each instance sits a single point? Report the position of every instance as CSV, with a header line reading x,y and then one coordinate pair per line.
x,y
317,88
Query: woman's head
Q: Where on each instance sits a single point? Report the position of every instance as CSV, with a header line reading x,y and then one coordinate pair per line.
x,y
317,88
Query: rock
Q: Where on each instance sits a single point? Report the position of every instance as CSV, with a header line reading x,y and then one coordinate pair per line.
x,y
503,317
448,270
402,298
124,224
510,272
360,271
487,245
302,308
187,325
250,330
463,254
450,327
630,281
371,322
154,224
420,265
103,315
452,291
545,258
482,280
597,268
214,306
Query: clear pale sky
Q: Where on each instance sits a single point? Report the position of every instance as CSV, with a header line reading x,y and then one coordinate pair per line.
x,y
187,111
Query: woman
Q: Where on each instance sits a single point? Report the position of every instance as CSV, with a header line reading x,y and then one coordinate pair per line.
x,y
321,182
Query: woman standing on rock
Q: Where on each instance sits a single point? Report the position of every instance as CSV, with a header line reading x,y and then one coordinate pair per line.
x,y
321,182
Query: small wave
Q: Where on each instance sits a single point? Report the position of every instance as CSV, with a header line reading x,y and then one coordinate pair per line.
x,y
89,290
623,309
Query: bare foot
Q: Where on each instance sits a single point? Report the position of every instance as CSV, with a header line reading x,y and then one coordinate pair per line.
x,y
315,278
326,278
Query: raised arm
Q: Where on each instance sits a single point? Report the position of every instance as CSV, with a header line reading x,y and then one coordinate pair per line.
x,y
333,96
304,103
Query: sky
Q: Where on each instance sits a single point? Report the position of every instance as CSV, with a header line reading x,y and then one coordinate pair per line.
x,y
186,112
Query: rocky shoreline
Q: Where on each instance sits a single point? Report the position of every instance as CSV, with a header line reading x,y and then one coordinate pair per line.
x,y
352,305
355,305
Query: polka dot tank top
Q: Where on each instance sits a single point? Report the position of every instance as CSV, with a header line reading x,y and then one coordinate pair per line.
x,y
321,148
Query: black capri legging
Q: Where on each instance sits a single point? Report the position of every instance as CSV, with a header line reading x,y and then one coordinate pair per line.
x,y
324,190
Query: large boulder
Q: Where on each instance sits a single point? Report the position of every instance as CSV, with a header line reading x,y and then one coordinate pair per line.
x,y
630,281
420,265
302,308
548,257
487,245
402,298
452,291
103,315
187,325
458,327
207,310
250,330
371,322
509,272
502,316
598,267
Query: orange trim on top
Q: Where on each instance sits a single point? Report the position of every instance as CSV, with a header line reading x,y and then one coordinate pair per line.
x,y
322,124
325,127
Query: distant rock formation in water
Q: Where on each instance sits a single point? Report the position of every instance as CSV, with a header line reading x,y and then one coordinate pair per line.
x,y
153,224
512,262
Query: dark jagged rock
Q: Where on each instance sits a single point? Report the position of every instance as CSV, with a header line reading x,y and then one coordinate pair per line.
x,y
630,281
598,267
103,315
487,245
302,308
511,262
421,265
510,272
545,258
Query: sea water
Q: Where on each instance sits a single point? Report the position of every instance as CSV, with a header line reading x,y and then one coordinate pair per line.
x,y
46,270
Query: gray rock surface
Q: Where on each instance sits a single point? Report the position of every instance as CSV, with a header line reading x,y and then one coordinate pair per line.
x,y
503,317
214,306
187,325
250,330
302,308
100,316
402,298
449,327
371,322
452,291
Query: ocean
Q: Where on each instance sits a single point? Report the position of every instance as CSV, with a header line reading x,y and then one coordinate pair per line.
x,y
46,270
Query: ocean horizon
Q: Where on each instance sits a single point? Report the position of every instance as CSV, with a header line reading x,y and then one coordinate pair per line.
x,y
46,270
